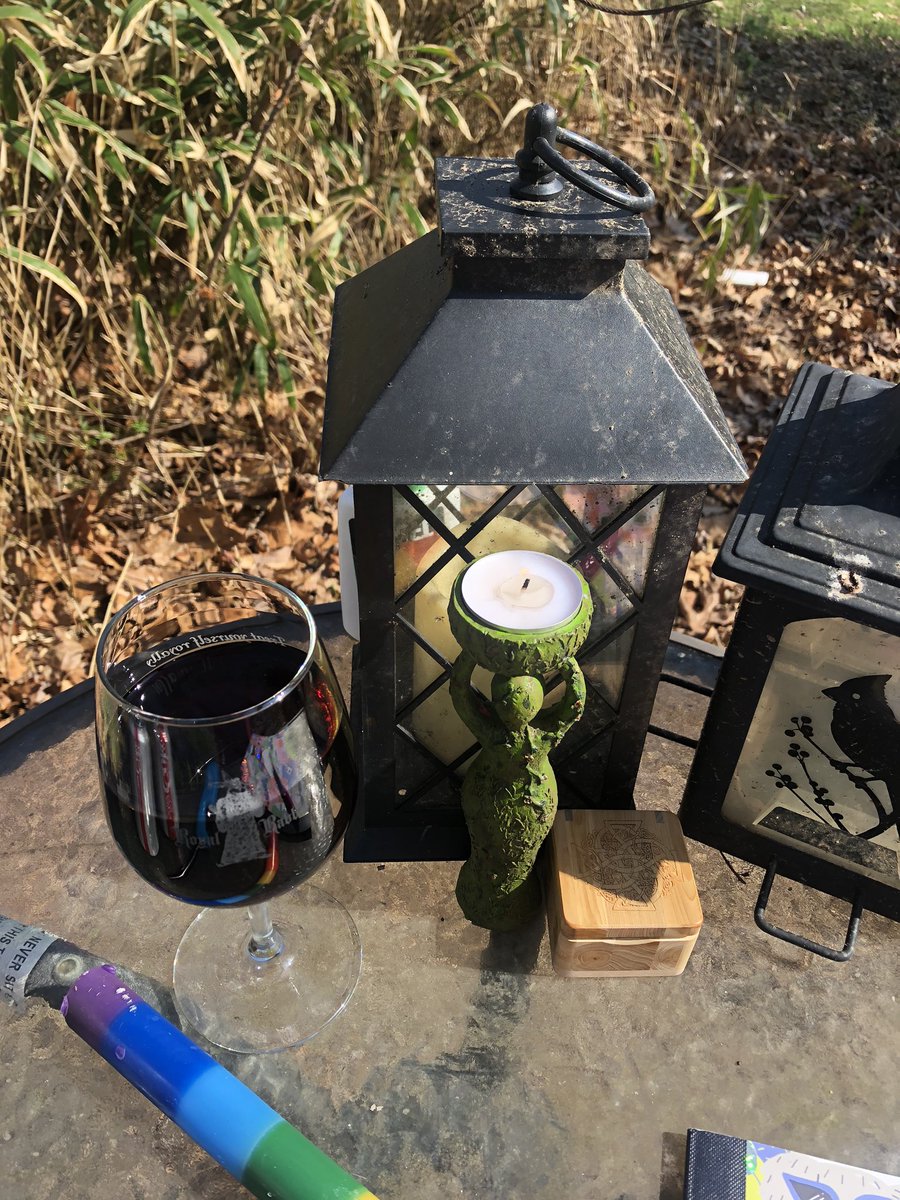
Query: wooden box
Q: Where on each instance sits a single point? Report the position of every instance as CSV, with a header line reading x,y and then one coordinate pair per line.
x,y
621,897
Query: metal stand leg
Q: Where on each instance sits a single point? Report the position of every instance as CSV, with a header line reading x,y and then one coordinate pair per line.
x,y
797,939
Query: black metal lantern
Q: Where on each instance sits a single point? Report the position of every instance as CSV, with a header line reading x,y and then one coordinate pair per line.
x,y
798,767
513,381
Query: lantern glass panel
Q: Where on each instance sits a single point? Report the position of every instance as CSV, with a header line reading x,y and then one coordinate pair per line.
x,y
820,767
604,670
427,613
441,794
453,507
598,716
611,603
405,648
578,772
431,725
414,537
595,505
630,548
433,535
414,768
541,526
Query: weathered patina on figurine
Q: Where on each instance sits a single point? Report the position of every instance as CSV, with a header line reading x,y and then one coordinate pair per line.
x,y
509,793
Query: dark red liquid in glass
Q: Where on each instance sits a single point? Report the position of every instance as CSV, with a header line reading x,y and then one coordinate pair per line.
x,y
227,811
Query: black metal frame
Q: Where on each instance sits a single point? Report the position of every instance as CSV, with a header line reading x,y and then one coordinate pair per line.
x,y
797,939
754,642
383,826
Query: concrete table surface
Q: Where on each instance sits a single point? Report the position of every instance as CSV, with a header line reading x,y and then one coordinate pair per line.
x,y
462,1066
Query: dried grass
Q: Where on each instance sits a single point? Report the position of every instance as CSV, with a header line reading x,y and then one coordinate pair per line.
x,y
121,239
227,364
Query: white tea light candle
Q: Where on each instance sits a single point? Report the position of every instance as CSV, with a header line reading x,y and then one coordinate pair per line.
x,y
522,590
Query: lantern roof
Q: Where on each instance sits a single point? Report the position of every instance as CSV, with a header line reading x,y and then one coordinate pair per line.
x,y
520,343
820,522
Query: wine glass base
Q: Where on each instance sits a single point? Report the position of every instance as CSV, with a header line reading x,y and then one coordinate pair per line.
x,y
253,1007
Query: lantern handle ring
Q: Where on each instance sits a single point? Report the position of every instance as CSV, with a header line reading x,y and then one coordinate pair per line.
x,y
539,163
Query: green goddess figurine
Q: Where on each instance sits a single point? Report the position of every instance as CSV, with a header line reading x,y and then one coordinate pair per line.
x,y
509,794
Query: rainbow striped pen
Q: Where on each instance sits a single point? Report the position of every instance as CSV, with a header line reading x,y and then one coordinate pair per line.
x,y
271,1158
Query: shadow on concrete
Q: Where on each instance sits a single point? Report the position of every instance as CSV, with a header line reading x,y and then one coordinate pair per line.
x,y
671,1171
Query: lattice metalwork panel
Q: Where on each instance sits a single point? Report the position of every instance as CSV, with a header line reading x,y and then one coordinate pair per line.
x,y
606,531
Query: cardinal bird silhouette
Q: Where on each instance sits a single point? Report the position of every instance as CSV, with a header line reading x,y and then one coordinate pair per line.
x,y
863,725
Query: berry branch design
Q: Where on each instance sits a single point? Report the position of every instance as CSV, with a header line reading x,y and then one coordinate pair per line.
x,y
863,767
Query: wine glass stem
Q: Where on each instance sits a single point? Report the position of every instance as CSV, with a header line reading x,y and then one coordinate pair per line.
x,y
265,941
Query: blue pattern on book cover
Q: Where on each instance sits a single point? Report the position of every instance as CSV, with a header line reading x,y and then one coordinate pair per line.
x,y
719,1167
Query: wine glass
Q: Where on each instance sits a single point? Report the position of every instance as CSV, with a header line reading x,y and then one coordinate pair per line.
x,y
227,770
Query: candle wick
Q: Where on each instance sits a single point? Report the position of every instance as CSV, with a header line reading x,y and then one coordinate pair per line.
x,y
525,584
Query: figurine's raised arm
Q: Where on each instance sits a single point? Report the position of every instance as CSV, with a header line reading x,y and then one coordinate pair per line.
x,y
556,721
472,708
